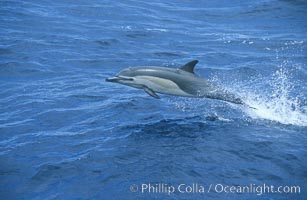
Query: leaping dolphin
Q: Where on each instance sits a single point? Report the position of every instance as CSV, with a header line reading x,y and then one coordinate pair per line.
x,y
179,82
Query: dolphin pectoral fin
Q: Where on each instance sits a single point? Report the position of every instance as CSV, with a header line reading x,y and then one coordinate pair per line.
x,y
151,92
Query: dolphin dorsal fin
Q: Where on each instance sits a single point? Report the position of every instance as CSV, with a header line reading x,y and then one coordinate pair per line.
x,y
189,67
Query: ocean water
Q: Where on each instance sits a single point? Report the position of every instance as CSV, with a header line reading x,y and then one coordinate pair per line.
x,y
65,133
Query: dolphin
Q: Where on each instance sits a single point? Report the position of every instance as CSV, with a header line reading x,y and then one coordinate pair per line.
x,y
179,82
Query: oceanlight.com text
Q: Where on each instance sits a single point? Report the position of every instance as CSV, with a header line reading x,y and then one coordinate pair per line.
x,y
165,188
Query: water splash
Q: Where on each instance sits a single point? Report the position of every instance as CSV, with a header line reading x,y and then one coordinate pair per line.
x,y
277,99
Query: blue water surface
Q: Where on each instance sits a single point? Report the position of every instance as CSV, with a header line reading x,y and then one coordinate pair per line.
x,y
65,133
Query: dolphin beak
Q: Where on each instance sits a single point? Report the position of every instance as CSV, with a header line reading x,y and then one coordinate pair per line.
x,y
112,79
118,78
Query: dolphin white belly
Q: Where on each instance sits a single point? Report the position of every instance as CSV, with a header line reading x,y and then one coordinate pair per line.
x,y
161,85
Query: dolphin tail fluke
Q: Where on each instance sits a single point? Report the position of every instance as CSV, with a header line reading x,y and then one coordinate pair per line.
x,y
248,106
251,107
241,102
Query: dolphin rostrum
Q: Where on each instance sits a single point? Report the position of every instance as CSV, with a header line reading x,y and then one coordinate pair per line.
x,y
179,82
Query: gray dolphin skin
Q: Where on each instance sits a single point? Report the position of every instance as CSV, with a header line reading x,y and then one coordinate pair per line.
x,y
179,82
